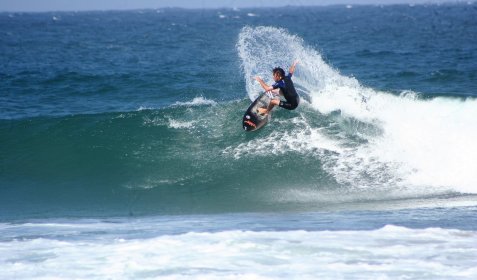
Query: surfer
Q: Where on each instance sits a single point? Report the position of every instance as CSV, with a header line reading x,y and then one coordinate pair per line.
x,y
284,86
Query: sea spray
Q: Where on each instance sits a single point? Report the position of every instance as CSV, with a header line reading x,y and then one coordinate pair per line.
x,y
421,142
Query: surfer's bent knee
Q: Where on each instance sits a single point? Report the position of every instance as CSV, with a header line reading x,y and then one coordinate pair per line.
x,y
290,105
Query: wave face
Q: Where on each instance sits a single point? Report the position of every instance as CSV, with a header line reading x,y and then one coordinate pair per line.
x,y
347,145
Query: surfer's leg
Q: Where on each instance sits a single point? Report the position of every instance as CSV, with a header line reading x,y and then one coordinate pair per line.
x,y
290,104
263,111
273,103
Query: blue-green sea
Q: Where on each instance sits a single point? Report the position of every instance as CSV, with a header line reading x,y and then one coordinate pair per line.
x,y
122,154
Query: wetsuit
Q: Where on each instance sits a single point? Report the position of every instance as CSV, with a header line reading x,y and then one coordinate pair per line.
x,y
288,90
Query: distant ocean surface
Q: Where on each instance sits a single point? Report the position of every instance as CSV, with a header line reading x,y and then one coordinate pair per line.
x,y
122,154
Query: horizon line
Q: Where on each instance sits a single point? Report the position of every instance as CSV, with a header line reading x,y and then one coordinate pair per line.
x,y
218,7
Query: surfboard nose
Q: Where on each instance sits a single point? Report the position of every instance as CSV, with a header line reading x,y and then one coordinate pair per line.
x,y
248,124
253,120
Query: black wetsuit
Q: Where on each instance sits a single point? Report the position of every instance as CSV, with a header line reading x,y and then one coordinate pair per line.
x,y
288,90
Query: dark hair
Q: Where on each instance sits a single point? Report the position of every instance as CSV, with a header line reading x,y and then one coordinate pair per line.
x,y
280,71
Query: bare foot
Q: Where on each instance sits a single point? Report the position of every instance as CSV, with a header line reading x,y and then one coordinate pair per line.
x,y
262,111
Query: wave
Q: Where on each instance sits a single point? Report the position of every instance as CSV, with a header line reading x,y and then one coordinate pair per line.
x,y
346,146
383,139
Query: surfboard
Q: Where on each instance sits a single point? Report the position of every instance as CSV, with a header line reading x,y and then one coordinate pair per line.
x,y
253,120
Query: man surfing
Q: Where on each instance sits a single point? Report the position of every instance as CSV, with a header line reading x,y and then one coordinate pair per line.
x,y
284,86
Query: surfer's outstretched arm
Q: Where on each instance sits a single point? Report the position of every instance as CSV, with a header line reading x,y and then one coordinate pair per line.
x,y
292,68
263,84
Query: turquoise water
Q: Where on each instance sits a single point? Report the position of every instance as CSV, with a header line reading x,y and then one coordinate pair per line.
x,y
121,135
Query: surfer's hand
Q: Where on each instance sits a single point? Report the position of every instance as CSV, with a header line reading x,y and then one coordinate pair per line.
x,y
263,84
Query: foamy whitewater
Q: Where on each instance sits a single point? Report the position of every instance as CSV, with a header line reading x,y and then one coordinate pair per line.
x,y
166,248
123,157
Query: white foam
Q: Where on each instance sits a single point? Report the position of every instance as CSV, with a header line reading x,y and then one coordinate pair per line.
x,y
144,108
389,252
433,139
420,144
180,124
151,183
197,101
302,139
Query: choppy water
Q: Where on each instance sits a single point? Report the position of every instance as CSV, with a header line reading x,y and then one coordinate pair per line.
x,y
121,138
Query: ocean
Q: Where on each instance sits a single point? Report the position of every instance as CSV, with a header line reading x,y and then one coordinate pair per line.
x,y
123,157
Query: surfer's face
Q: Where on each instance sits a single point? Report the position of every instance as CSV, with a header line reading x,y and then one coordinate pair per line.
x,y
276,76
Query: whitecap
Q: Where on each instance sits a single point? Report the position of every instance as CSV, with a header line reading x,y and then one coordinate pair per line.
x,y
197,101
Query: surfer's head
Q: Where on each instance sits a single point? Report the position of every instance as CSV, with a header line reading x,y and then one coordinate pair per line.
x,y
278,74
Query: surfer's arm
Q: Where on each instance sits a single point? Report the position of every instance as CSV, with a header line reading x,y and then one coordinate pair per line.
x,y
263,84
292,68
